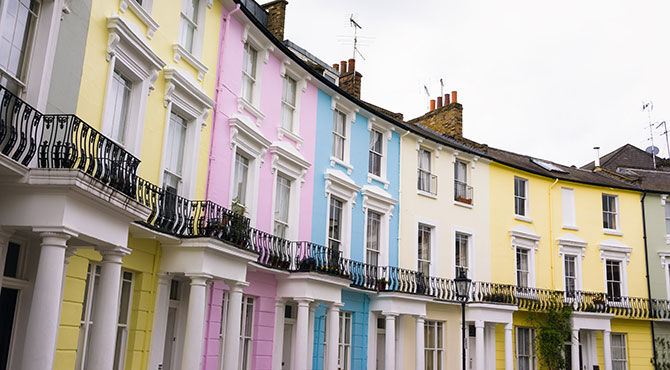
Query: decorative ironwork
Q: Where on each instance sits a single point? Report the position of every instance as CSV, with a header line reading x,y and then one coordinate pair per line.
x,y
19,127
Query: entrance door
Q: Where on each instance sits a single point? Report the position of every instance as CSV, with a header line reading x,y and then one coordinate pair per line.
x,y
169,339
287,347
8,300
381,349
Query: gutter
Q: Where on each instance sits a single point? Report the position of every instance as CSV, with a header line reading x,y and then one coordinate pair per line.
x,y
646,260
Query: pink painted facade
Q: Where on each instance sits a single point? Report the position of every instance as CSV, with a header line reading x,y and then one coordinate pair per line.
x,y
229,77
262,285
263,288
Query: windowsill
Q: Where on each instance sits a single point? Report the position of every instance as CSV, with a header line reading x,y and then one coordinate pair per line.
x,y
378,179
281,132
334,160
244,104
464,205
142,14
612,232
426,194
523,218
180,52
568,227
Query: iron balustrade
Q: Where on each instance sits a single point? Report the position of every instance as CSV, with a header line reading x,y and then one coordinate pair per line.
x,y
426,182
19,127
69,142
462,192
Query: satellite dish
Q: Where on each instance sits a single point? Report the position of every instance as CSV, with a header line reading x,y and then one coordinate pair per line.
x,y
652,150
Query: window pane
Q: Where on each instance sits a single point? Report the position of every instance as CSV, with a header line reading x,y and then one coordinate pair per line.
x,y
175,148
18,27
12,260
119,101
240,179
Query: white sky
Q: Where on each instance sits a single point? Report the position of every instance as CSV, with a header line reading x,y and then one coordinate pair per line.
x,y
547,79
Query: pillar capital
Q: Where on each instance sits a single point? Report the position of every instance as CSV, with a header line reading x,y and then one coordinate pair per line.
x,y
335,306
509,326
420,317
236,286
55,236
390,314
114,255
479,324
304,302
199,279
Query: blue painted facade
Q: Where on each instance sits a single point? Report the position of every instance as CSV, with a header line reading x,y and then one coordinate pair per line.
x,y
359,306
359,140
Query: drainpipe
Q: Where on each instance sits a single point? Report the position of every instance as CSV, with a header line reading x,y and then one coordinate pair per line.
x,y
551,236
222,39
646,259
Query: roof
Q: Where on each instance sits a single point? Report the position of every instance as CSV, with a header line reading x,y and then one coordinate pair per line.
x,y
555,170
629,156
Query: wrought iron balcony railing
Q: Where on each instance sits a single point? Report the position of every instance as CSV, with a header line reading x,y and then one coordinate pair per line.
x,y
19,127
462,192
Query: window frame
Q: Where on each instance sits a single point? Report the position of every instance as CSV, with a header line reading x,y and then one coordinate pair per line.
x,y
372,153
468,252
349,111
438,326
344,347
331,241
615,214
369,250
21,80
386,131
618,263
378,201
124,328
235,180
340,186
432,232
532,355
518,272
287,105
568,203
465,184
428,172
176,173
624,360
524,198
666,205
614,250
340,137
247,338
524,238
254,38
276,221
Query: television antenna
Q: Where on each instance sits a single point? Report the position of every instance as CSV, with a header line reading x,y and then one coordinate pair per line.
x,y
649,106
665,132
356,26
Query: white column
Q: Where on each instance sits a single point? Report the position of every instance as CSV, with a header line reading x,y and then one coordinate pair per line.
x,y
301,334
333,335
509,354
574,352
278,348
195,322
372,341
231,351
106,308
490,333
43,318
479,345
389,350
607,350
420,357
160,321
310,340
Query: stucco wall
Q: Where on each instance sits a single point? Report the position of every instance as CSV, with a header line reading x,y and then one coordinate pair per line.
x,y
654,211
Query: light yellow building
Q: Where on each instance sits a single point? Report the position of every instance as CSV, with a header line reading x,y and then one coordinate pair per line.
x,y
560,229
147,83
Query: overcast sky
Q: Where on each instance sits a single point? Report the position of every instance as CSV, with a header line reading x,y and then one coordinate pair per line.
x,y
547,79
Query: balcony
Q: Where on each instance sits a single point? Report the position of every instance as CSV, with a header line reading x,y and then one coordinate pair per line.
x,y
462,192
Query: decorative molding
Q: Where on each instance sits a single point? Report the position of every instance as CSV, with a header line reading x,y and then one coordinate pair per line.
x,y
288,160
523,236
378,200
340,185
142,14
614,249
245,134
183,91
243,104
180,52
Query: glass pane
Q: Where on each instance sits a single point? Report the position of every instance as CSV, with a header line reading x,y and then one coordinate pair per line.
x,y
429,360
282,199
124,308
12,260
439,335
119,348
120,98
240,179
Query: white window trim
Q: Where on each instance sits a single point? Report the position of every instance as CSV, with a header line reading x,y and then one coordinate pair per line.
x,y
143,13
625,348
341,186
434,238
526,217
468,178
665,265
350,111
471,248
438,350
300,77
195,62
183,96
387,133
434,154
615,250
524,237
570,244
342,318
291,164
377,200
533,351
617,220
249,141
128,53
264,47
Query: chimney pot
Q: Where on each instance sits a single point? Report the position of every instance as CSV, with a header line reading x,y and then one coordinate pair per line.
x,y
446,99
439,102
336,67
432,104
454,97
352,65
343,67
597,161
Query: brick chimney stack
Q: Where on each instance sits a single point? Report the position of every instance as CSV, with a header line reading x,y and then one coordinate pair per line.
x,y
350,79
276,17
445,118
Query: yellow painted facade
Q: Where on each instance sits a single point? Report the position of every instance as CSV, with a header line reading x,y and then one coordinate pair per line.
x,y
144,260
545,219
